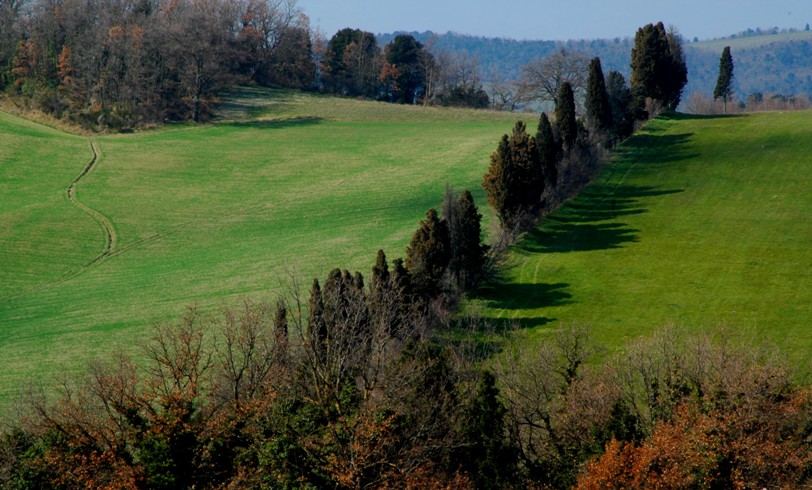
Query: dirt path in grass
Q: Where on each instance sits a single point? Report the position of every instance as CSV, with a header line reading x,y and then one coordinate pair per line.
x,y
107,225
110,237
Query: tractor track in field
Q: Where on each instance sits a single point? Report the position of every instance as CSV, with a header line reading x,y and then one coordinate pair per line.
x,y
111,248
110,237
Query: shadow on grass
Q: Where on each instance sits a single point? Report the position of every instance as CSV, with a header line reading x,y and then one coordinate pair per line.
x,y
656,149
515,296
489,338
589,222
578,237
246,103
291,122
682,116
592,221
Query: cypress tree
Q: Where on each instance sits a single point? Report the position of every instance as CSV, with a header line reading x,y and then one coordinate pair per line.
x,y
549,148
515,179
489,458
380,273
467,249
530,178
565,115
428,254
498,183
658,65
358,282
597,101
724,84
402,281
316,325
334,295
280,321
677,77
620,100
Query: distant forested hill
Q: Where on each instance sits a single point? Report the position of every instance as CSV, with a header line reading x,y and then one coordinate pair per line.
x,y
774,62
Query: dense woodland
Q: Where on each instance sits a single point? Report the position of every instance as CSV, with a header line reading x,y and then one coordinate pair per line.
x,y
381,381
118,65
133,63
122,64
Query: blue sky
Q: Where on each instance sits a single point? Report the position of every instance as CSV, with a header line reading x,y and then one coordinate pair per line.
x,y
556,20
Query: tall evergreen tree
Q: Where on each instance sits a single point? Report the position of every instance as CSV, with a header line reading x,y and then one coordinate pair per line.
x,y
380,272
498,182
598,112
428,254
489,458
565,116
724,84
658,65
402,282
405,53
620,100
467,249
548,147
280,321
678,78
514,181
316,325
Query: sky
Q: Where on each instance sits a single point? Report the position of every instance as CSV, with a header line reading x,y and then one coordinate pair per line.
x,y
558,20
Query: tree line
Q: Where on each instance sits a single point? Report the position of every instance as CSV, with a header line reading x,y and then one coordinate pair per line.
x,y
373,383
529,175
379,382
120,65
357,391
404,71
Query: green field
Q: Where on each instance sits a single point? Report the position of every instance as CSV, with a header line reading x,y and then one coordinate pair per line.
x,y
696,222
285,184
748,42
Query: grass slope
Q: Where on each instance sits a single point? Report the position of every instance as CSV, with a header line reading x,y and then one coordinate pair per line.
x,y
697,222
285,183
749,42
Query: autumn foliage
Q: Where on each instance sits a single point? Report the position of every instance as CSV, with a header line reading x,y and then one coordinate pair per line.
x,y
718,447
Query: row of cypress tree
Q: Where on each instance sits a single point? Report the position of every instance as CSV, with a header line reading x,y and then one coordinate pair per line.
x,y
529,174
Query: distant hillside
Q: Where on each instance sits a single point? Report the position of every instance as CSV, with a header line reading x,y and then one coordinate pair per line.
x,y
775,63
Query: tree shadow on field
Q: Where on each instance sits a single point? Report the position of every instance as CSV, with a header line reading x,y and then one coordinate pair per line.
x,y
523,296
499,295
683,116
488,337
594,220
590,222
655,149
291,122
248,103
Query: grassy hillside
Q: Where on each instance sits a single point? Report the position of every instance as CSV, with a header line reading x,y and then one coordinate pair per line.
x,y
696,222
750,42
285,184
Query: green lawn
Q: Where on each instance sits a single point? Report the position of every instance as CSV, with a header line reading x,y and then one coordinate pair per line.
x,y
284,184
696,222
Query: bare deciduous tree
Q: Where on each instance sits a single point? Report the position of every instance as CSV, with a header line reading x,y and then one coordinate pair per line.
x,y
542,77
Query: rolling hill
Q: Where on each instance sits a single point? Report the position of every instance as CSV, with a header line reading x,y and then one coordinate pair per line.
x,y
697,222
284,186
